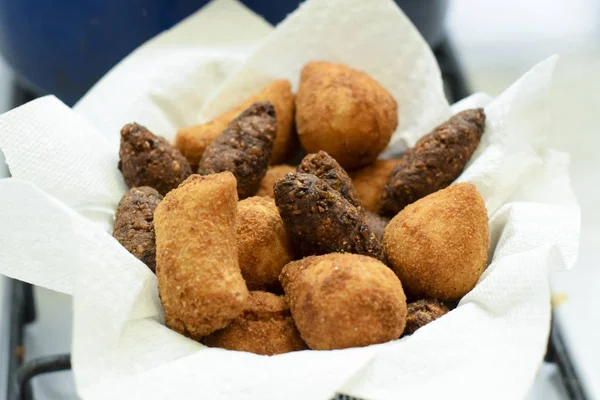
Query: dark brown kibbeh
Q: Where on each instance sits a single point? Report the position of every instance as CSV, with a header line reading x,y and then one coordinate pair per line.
x,y
320,220
244,148
435,161
422,312
133,226
150,160
377,224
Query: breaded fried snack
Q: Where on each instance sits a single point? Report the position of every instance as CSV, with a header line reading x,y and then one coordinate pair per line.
x,y
344,300
149,160
199,280
370,181
274,173
133,226
422,312
263,243
438,245
344,112
194,140
377,224
244,148
323,166
435,162
265,327
320,220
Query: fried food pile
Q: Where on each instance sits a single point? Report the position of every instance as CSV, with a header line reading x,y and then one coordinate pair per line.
x,y
253,253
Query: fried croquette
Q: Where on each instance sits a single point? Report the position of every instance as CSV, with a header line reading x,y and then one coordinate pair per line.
x,y
438,245
370,181
266,327
323,166
320,220
244,148
263,243
133,226
344,300
194,140
273,174
435,162
344,112
149,160
377,224
422,312
199,280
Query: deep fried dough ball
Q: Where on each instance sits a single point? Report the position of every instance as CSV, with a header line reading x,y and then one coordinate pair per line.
x,y
323,166
149,160
199,280
193,140
244,148
377,224
370,181
263,243
435,162
133,226
344,112
438,245
266,327
344,300
422,312
273,174
320,220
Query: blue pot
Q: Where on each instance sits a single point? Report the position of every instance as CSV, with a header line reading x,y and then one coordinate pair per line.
x,y
63,47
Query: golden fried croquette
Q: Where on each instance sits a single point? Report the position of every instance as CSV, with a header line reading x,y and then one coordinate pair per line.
x,y
422,312
244,148
437,159
369,182
199,280
273,174
192,141
344,300
265,327
377,224
263,244
344,112
149,160
438,245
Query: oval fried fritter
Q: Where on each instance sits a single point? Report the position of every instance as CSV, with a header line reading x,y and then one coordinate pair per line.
x,y
265,327
244,148
133,226
320,220
370,181
437,159
323,166
344,300
149,160
422,312
274,173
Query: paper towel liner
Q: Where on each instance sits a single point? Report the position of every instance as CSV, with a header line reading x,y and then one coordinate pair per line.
x,y
56,210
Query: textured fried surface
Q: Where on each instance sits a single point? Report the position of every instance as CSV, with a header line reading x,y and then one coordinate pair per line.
x,y
244,148
149,160
320,220
266,327
273,174
344,300
436,160
344,112
370,181
438,245
377,224
194,140
263,243
199,281
323,166
133,226
422,312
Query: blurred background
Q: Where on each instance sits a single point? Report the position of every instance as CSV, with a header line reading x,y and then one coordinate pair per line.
x,y
65,47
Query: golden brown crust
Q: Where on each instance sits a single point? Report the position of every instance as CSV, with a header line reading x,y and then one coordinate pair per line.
x,y
422,312
344,112
274,173
369,182
438,245
265,327
199,281
193,140
263,244
344,300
